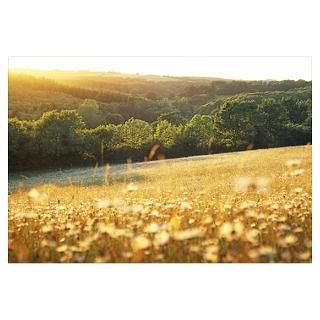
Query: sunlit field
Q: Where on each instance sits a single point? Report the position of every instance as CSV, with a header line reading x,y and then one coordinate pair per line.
x,y
252,206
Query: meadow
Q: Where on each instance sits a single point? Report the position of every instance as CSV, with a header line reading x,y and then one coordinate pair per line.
x,y
250,206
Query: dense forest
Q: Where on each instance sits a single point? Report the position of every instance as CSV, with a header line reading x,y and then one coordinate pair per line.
x,y
68,119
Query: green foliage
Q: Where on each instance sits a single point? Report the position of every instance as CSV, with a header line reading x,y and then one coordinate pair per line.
x,y
198,132
236,87
22,143
174,117
297,111
113,118
237,123
136,133
165,133
57,133
89,110
276,119
84,118
298,134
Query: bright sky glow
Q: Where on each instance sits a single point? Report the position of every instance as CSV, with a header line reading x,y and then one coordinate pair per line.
x,y
245,68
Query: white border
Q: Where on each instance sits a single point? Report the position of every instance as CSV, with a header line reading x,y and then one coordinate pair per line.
x,y
202,28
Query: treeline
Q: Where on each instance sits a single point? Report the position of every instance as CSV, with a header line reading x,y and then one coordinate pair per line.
x,y
30,97
150,86
62,139
234,87
22,81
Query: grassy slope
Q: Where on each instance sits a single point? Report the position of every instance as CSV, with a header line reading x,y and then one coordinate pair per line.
x,y
201,210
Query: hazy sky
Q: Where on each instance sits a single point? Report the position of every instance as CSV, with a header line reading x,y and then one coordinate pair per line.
x,y
246,68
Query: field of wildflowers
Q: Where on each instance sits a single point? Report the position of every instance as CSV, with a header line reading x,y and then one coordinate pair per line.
x,y
252,206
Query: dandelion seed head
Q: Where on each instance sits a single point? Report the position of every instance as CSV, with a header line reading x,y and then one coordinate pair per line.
x,y
252,235
242,183
266,251
247,204
37,196
297,190
212,249
231,231
34,194
293,163
211,257
304,256
207,219
253,184
185,206
148,203
27,215
131,187
105,228
61,207
62,248
298,230
262,183
227,207
155,213
152,228
140,243
161,238
251,213
47,228
297,172
262,226
238,228
274,206
188,234
102,204
290,239
137,208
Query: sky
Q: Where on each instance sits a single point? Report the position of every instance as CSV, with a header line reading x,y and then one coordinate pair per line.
x,y
242,68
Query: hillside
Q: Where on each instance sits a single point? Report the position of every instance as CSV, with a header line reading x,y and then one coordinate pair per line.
x,y
146,97
68,119
252,206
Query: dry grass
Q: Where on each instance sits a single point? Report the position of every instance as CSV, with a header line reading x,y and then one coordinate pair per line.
x,y
252,206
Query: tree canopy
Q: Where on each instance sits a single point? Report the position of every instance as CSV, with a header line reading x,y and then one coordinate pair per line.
x,y
81,120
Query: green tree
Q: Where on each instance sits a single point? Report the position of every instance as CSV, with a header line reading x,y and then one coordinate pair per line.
x,y
238,123
136,133
89,110
173,117
297,112
276,120
22,145
113,118
297,134
198,132
58,133
165,133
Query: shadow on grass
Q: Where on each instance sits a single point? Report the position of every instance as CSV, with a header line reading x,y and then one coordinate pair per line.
x,y
114,178
80,177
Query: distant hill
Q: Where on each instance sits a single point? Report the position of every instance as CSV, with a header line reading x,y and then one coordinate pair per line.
x,y
162,86
121,96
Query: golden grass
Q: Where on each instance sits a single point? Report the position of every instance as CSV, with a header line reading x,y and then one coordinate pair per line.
x,y
252,206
